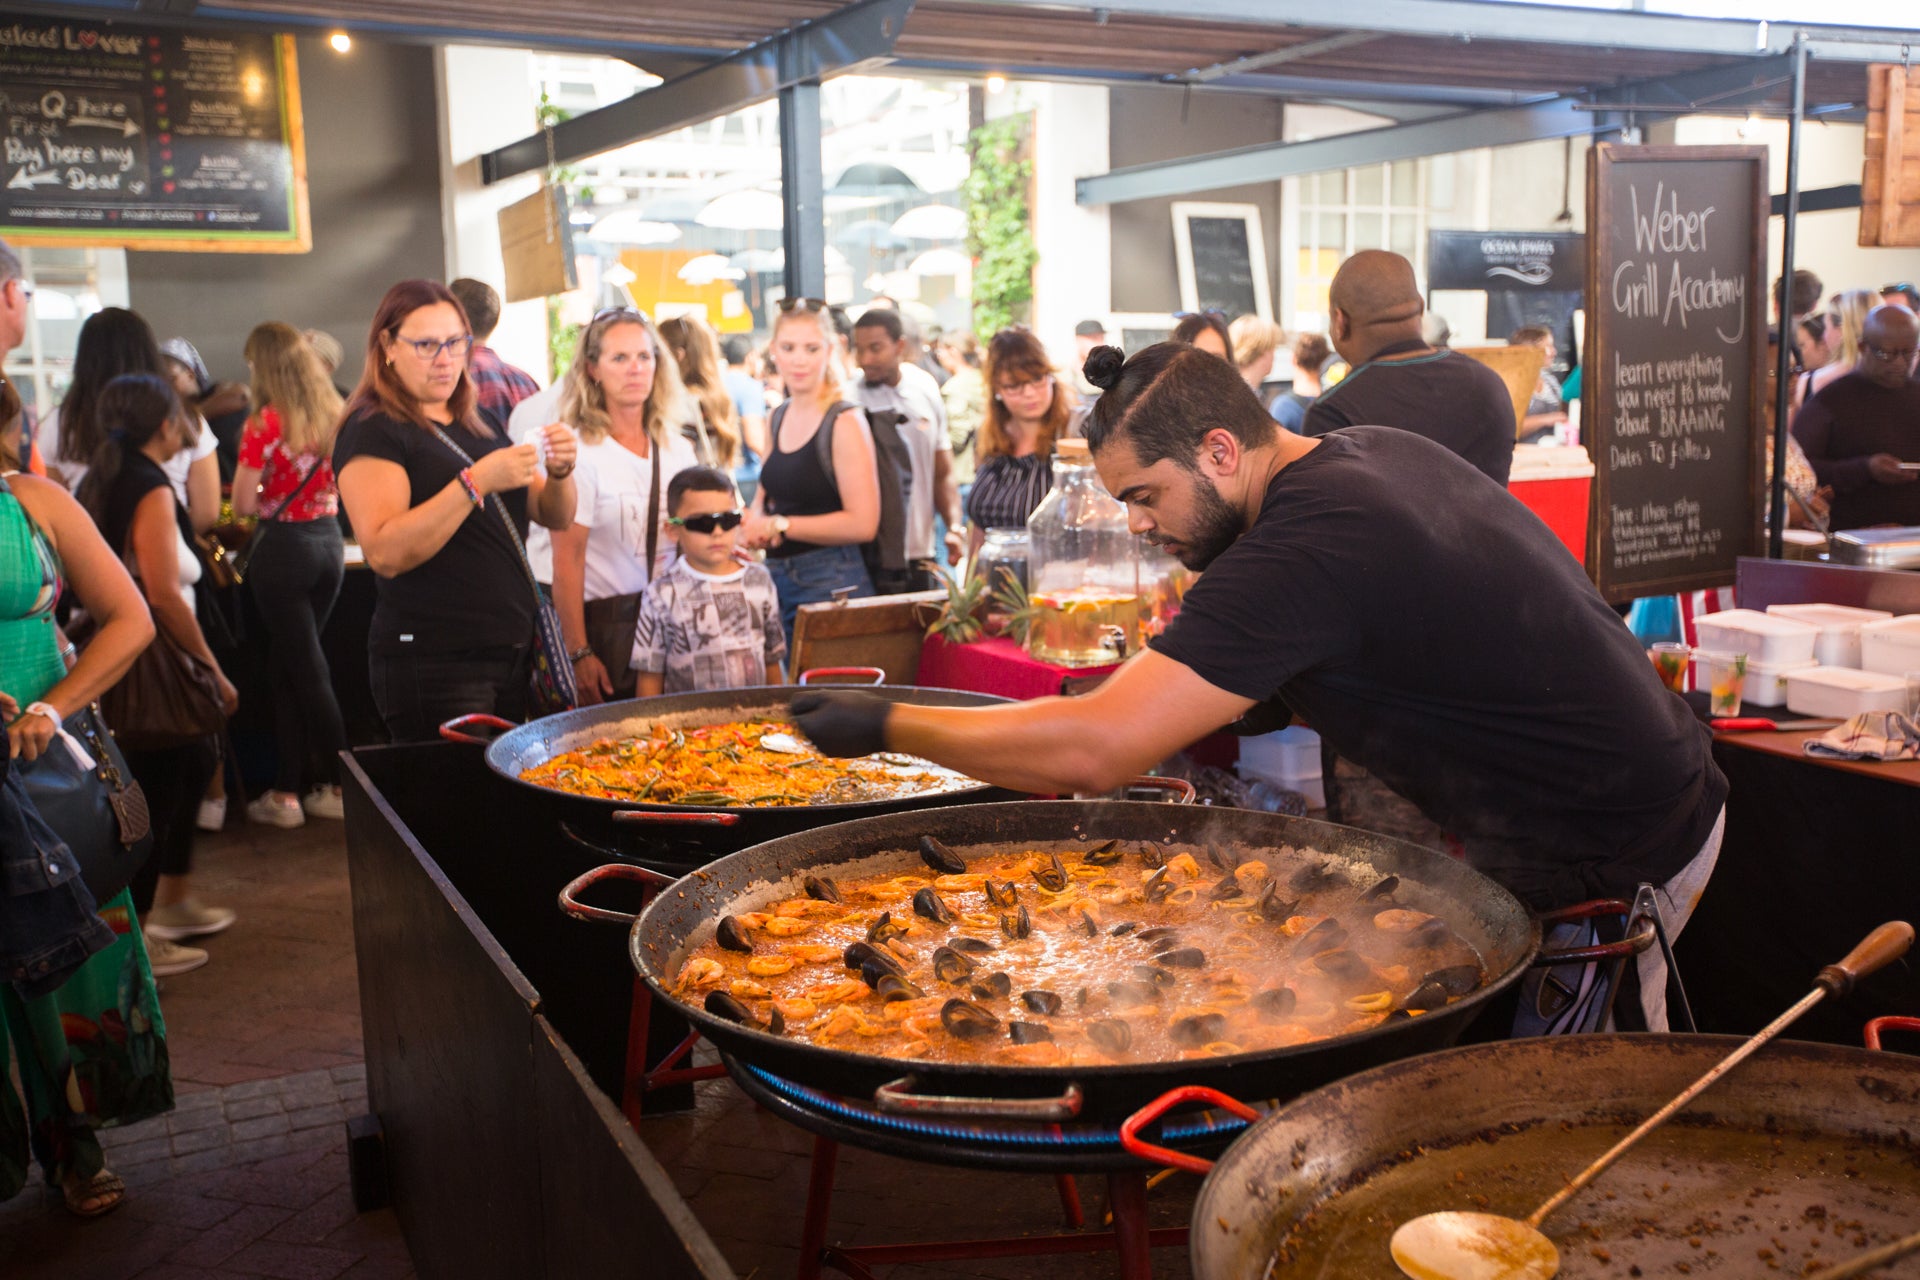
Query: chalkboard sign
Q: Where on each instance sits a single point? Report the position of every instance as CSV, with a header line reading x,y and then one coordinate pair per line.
x,y
1676,363
133,137
1222,259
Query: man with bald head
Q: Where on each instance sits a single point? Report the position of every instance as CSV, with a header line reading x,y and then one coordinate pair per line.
x,y
1398,380
1862,430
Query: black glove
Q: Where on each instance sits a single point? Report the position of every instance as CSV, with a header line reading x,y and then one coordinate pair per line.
x,y
842,724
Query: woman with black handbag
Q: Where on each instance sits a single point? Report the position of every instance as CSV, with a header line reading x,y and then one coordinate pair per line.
x,y
48,545
294,566
440,503
169,707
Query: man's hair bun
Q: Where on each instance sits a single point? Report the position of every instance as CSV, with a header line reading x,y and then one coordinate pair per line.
x,y
1103,365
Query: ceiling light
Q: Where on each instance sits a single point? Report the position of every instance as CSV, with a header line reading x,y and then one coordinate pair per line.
x,y
996,83
340,41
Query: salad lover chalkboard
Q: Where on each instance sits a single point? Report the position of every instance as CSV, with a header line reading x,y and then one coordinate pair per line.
x,y
1675,365
133,137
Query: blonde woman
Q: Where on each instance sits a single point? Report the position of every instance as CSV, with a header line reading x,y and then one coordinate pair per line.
x,y
623,396
285,476
812,518
697,354
1849,317
1255,339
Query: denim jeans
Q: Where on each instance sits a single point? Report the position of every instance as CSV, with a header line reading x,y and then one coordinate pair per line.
x,y
295,577
812,577
418,692
47,923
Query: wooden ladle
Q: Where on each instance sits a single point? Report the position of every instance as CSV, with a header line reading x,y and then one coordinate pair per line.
x,y
1457,1245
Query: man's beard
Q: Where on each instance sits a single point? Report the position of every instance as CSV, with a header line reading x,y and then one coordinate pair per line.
x,y
1216,526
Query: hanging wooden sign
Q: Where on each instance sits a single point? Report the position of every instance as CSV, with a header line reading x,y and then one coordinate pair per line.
x,y
537,246
1890,184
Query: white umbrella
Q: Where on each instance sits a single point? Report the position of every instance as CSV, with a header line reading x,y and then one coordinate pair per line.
x,y
941,262
931,222
755,260
628,226
750,210
707,268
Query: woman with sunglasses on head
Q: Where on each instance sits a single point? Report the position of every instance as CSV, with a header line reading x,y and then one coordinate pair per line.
x,y
622,394
1029,410
811,517
440,503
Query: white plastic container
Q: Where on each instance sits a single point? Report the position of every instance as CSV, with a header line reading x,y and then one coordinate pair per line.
x,y
1767,684
1842,693
1891,647
1839,624
1761,636
1289,759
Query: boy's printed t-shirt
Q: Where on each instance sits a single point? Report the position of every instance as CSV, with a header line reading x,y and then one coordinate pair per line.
x,y
709,632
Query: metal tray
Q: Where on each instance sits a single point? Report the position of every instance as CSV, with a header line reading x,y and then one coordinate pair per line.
x,y
1897,548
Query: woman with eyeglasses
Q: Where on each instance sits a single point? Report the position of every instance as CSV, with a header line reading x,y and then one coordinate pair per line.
x,y
1029,410
440,503
623,395
818,500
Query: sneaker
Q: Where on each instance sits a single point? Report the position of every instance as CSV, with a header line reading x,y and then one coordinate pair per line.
x,y
325,802
274,813
213,815
187,920
170,959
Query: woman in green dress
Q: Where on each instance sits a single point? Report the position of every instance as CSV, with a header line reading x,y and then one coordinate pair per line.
x,y
93,1052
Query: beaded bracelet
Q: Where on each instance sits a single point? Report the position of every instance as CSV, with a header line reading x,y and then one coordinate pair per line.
x,y
466,482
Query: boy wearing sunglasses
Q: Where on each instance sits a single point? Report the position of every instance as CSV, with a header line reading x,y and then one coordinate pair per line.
x,y
709,621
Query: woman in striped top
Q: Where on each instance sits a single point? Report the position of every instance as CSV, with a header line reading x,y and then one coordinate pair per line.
x,y
1030,409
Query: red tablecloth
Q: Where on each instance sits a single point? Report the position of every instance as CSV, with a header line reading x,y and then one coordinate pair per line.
x,y
997,666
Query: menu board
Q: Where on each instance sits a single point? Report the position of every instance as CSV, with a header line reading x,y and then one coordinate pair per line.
x,y
1221,261
1676,363
132,137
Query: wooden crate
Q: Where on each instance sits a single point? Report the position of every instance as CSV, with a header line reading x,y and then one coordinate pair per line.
x,y
880,631
1890,184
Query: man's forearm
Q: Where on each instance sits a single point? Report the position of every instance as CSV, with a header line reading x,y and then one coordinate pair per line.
x,y
1045,746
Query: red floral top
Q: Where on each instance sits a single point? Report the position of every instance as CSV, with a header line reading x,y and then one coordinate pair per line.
x,y
282,472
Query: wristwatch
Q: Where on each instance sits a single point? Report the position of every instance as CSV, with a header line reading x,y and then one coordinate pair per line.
x,y
780,524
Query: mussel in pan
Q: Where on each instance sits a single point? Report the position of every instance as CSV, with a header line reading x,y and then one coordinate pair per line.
x,y
941,858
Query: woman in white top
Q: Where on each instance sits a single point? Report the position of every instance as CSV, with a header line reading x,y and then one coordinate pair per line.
x,y
624,397
114,341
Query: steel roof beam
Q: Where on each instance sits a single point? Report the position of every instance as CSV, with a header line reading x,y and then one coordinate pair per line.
x,y
1292,53
1555,118
1468,20
858,37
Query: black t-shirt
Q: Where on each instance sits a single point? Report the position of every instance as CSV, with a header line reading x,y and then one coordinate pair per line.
x,y
1433,630
1451,399
472,593
1845,423
793,482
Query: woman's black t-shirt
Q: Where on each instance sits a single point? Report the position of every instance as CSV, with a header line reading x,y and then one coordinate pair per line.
x,y
472,593
1436,632
794,483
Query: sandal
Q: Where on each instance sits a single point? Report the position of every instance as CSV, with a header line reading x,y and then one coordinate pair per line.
x,y
102,1193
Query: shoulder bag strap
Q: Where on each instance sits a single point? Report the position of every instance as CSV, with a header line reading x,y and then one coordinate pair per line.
x,y
653,504
499,509
823,439
291,498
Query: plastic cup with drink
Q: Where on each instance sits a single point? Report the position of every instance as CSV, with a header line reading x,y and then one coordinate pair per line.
x,y
1670,660
1724,677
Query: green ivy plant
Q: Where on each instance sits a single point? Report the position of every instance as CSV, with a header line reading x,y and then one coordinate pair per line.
x,y
999,224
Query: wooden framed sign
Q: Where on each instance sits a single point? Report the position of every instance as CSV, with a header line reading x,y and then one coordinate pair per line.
x,y
1675,363
1222,259
129,137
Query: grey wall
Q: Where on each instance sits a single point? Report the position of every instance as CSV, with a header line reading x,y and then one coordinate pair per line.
x,y
373,169
1150,123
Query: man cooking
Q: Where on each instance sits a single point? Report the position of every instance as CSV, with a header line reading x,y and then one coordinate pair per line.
x,y
1372,582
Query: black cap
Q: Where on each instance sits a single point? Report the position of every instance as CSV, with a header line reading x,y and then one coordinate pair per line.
x,y
1090,329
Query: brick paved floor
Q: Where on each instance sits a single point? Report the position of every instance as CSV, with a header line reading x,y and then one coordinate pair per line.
x,y
248,1177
